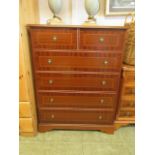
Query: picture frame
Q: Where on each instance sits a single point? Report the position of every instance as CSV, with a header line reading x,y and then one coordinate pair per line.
x,y
119,7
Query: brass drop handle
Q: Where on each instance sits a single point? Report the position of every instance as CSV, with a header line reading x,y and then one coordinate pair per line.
x,y
105,62
50,81
101,39
103,82
128,114
52,116
54,38
132,104
49,61
51,100
100,117
102,101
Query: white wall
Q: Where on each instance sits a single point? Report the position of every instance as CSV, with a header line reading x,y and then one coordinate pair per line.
x,y
65,14
73,12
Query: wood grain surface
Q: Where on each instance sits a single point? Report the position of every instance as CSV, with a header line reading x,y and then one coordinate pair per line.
x,y
77,73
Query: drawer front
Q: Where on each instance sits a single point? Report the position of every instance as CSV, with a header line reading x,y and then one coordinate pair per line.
x,y
99,39
76,116
54,38
88,82
77,61
128,104
83,100
127,114
25,125
129,91
129,76
128,101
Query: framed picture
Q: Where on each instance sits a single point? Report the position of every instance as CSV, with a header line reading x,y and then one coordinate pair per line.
x,y
119,7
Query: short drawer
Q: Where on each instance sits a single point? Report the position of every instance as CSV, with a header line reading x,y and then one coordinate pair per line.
x,y
77,99
54,38
128,104
127,114
86,61
128,101
129,90
61,81
25,125
99,39
129,76
76,116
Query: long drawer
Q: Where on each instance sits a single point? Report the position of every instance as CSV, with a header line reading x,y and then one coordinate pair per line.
x,y
81,60
76,116
64,81
77,99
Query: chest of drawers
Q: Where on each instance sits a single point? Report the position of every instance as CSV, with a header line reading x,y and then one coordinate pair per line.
x,y
126,108
76,75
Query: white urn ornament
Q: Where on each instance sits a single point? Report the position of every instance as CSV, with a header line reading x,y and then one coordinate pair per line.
x,y
55,6
92,8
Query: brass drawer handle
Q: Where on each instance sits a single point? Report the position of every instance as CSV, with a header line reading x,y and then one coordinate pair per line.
x,y
54,38
50,81
49,61
101,39
51,100
128,114
132,104
103,82
52,116
102,101
105,62
100,117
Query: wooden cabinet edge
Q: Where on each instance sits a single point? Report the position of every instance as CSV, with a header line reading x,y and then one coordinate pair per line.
x,y
28,134
25,109
109,129
119,124
28,7
75,26
26,126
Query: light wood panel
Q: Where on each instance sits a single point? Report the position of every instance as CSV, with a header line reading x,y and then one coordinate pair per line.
x,y
23,95
28,14
26,125
25,109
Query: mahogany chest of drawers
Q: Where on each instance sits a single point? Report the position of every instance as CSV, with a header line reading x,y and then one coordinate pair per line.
x,y
76,75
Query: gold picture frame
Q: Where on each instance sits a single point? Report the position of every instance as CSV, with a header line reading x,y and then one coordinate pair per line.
x,y
118,7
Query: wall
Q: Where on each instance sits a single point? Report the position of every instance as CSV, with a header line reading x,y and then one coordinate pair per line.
x,y
73,12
